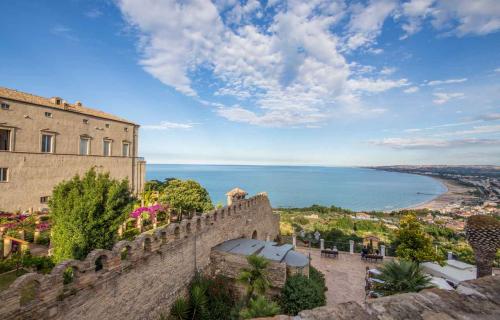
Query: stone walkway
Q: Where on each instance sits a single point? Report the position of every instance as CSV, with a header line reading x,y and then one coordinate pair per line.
x,y
345,276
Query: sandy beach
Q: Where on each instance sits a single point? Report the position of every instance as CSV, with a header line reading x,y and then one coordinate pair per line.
x,y
455,195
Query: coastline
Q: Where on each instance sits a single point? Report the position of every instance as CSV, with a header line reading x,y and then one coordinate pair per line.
x,y
455,194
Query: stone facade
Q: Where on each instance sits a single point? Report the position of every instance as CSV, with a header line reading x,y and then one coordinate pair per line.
x,y
474,299
32,174
138,279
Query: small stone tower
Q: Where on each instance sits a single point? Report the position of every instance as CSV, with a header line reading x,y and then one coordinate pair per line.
x,y
483,234
235,195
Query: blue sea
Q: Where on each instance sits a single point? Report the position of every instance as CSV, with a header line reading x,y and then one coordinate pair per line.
x,y
301,186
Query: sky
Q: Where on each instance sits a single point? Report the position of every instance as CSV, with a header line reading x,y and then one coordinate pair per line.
x,y
336,83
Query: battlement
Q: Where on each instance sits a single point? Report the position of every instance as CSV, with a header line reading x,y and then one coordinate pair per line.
x,y
140,278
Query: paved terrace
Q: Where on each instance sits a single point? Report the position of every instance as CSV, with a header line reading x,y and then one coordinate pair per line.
x,y
345,275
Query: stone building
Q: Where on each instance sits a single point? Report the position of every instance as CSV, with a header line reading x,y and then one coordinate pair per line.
x,y
230,257
44,141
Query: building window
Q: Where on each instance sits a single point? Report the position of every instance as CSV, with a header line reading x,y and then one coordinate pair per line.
x,y
4,174
44,199
106,147
48,114
126,149
86,121
84,146
47,143
5,106
107,125
4,140
125,129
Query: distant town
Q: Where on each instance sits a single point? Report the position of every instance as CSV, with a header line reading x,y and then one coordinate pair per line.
x,y
472,190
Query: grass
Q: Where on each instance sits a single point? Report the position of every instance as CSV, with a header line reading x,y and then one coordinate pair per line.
x,y
7,278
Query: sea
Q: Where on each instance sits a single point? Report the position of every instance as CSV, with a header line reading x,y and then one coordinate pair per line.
x,y
354,188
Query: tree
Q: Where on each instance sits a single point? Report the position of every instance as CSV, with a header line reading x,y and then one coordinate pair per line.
x,y
86,213
254,277
413,243
400,277
260,307
186,196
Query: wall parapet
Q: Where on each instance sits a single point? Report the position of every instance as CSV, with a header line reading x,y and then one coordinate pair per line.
x,y
47,296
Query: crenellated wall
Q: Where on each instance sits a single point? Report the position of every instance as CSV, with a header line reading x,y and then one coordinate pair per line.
x,y
138,279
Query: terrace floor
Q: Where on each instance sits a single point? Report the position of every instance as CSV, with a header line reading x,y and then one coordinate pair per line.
x,y
344,276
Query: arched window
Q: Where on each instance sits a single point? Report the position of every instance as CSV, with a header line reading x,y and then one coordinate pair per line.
x,y
147,244
29,293
254,234
101,263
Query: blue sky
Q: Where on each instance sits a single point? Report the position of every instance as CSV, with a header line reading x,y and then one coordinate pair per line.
x,y
272,82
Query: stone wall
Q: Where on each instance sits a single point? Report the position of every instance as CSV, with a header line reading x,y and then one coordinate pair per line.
x,y
474,299
145,281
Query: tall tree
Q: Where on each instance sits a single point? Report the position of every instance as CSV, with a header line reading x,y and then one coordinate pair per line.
x,y
86,213
413,243
186,196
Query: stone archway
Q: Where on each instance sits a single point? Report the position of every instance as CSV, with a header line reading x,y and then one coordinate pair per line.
x,y
254,234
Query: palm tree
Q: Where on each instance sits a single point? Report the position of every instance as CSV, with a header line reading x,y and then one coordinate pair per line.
x,y
254,277
483,234
259,308
401,276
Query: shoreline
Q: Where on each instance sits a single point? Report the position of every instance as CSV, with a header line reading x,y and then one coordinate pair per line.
x,y
455,193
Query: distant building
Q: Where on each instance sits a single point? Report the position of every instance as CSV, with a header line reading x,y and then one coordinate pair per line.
x,y
45,141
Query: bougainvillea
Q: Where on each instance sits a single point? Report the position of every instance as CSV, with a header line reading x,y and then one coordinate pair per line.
x,y
42,226
151,211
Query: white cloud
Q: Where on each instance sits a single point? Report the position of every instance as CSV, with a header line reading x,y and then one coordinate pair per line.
x,y
412,89
428,143
366,22
93,13
63,31
478,130
290,69
415,11
166,125
289,73
387,71
449,81
497,70
490,117
376,85
453,17
443,97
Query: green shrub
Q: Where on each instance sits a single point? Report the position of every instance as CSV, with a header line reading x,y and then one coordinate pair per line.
x,y
302,293
180,309
317,277
40,264
44,238
7,265
130,234
260,307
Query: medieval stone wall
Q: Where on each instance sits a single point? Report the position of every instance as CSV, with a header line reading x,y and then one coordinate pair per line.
x,y
139,279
